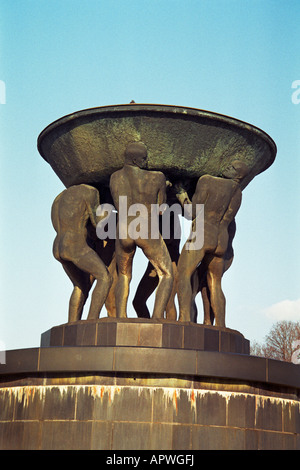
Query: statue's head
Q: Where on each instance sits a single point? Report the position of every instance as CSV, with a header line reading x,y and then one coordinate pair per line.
x,y
136,154
236,170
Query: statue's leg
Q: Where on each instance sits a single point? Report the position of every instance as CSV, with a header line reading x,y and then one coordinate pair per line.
x,y
110,303
208,312
92,264
217,298
187,264
195,290
124,256
146,287
158,255
82,285
201,274
171,311
173,248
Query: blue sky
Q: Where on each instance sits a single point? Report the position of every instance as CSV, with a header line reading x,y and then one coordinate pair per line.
x,y
235,57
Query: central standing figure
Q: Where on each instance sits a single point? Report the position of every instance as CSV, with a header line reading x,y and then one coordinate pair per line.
x,y
140,186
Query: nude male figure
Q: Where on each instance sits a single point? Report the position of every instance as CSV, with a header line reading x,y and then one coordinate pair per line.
x,y
201,276
222,198
144,187
150,279
74,219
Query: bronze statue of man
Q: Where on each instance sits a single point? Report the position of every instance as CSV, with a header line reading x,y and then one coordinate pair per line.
x,y
147,188
149,281
202,274
222,198
74,220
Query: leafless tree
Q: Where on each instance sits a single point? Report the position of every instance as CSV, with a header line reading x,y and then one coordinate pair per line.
x,y
257,349
282,343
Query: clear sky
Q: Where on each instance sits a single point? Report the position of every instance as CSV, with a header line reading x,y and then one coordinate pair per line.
x,y
235,57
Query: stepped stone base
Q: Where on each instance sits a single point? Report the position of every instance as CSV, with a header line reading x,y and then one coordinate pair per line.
x,y
146,333
140,397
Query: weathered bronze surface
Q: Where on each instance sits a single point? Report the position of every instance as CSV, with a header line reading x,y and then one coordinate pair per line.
x,y
140,186
89,145
77,248
150,278
221,198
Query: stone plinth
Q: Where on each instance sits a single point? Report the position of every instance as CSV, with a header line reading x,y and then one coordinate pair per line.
x,y
141,397
146,333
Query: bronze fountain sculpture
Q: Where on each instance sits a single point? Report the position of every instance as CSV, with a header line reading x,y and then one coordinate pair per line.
x,y
147,157
160,380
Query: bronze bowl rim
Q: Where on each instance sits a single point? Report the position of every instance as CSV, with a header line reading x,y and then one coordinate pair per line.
x,y
159,108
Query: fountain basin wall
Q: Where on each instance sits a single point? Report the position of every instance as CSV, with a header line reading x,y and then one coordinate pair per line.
x,y
88,146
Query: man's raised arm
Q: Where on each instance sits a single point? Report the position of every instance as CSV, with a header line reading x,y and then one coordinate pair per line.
x,y
93,202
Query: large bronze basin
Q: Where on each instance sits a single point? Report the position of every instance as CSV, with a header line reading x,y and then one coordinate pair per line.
x,y
88,146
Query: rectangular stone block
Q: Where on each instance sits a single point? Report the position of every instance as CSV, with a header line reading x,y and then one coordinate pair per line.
x,y
53,337
115,403
251,439
66,435
86,334
181,437
11,435
130,436
211,409
290,442
276,441
29,405
46,339
159,360
150,335
85,403
241,411
58,403
70,335
193,337
211,340
163,405
31,438
268,414
131,404
57,338
291,417
246,347
227,343
106,334
235,439
100,403
142,334
160,437
76,358
127,334
184,406
172,336
101,435
280,372
209,438
7,400
217,364
23,360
